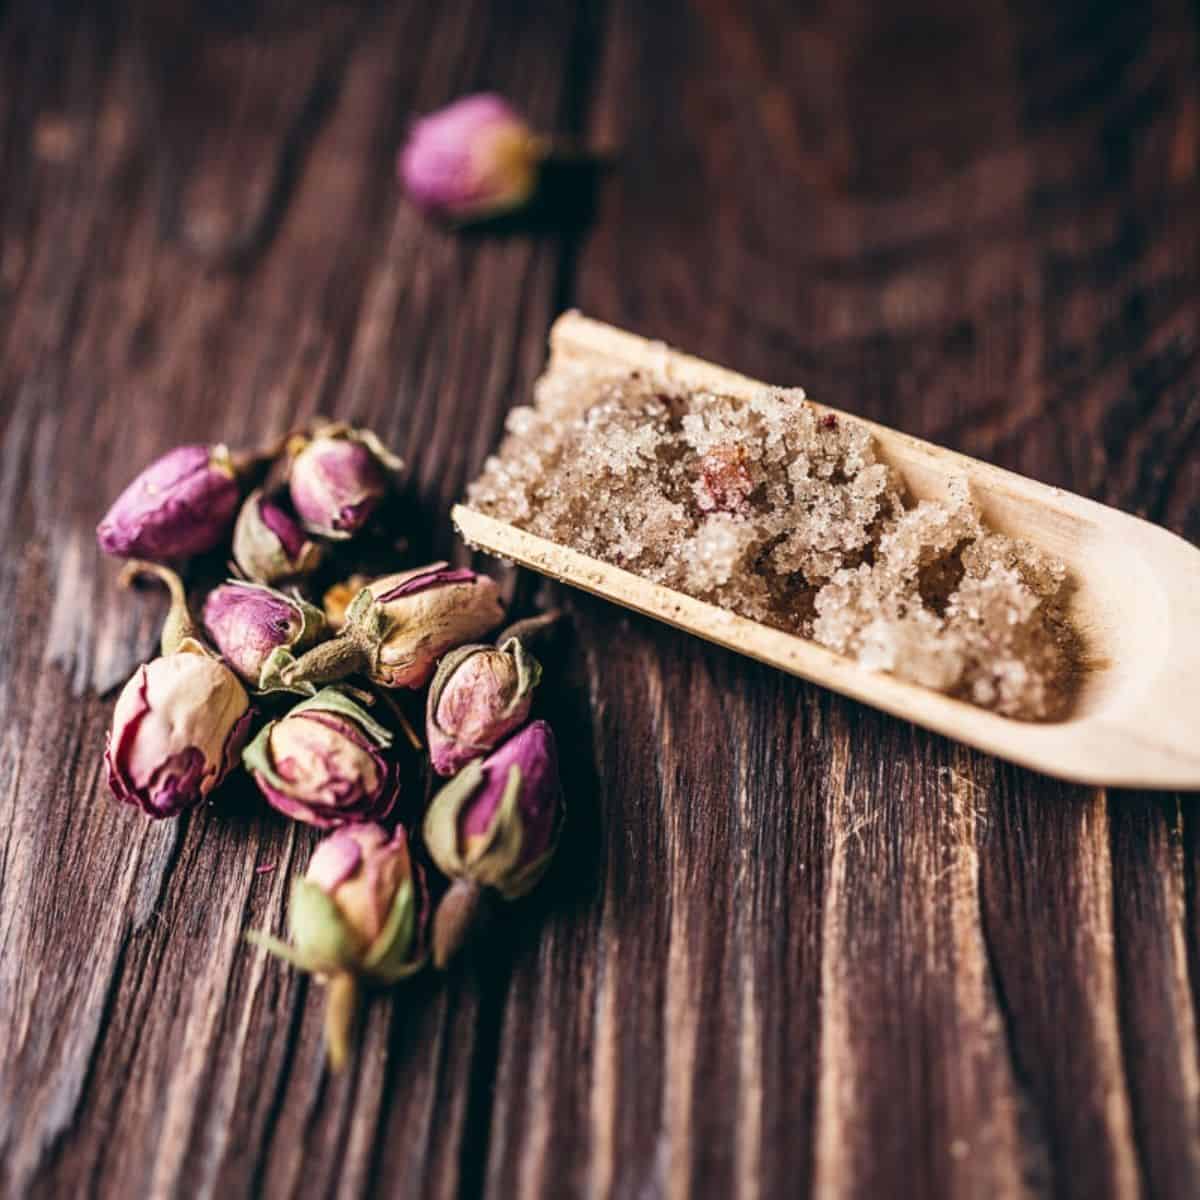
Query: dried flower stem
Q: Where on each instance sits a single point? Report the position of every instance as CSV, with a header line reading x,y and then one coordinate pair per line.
x,y
531,630
572,151
344,655
341,1007
456,916
247,464
180,624
277,948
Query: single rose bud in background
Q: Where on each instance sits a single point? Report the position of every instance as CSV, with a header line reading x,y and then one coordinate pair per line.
x,y
182,504
251,624
179,723
472,160
359,912
323,763
494,827
397,627
337,477
269,545
479,695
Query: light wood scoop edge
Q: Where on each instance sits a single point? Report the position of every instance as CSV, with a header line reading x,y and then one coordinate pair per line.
x,y
1139,592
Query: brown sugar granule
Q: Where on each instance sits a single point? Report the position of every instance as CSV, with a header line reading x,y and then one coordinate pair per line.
x,y
784,515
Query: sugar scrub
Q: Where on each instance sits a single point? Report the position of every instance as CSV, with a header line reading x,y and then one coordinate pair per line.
x,y
783,514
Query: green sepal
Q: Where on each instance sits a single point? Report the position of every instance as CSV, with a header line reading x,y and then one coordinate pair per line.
x,y
367,617
335,700
388,959
492,861
496,855
314,625
256,757
193,645
278,949
318,931
393,462
270,675
445,669
360,639
529,876
515,884
440,828
529,671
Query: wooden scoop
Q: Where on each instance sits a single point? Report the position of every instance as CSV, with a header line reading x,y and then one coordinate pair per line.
x,y
1136,722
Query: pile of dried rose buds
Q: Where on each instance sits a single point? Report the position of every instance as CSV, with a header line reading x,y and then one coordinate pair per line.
x,y
314,676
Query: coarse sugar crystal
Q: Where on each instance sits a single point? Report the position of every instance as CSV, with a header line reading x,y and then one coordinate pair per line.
x,y
781,513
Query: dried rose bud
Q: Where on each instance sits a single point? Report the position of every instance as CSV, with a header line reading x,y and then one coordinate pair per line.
x,y
495,825
359,911
180,505
479,695
472,160
397,627
361,869
323,763
268,543
251,625
177,731
179,723
337,477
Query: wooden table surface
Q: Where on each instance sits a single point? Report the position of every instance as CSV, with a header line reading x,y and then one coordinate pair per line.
x,y
791,946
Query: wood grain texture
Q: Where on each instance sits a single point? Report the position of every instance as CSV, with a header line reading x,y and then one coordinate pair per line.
x,y
790,946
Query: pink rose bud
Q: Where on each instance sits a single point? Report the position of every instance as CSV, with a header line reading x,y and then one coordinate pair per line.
x,y
494,826
359,911
473,160
479,695
397,627
269,544
250,624
425,613
180,722
323,763
337,477
176,732
180,505
361,868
